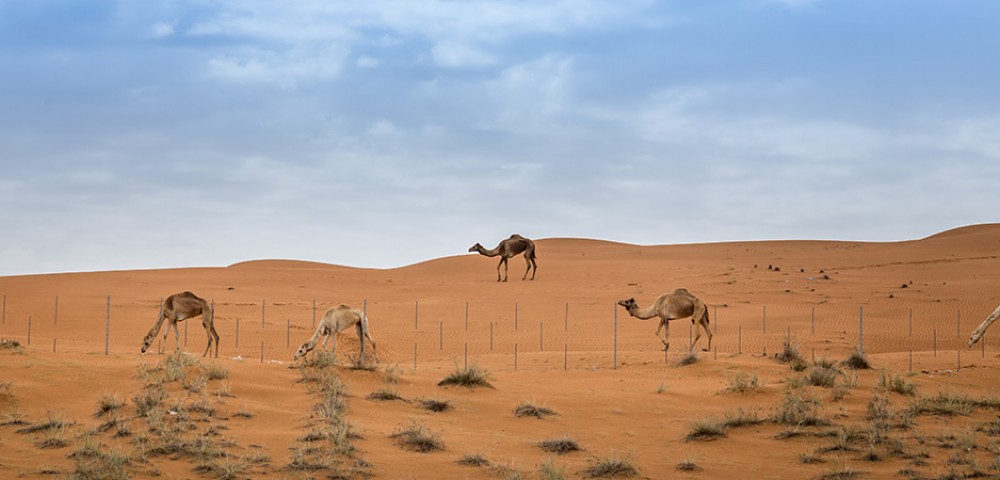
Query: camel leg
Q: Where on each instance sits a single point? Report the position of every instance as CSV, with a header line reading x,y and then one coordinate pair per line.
x,y
665,326
528,261
506,267
361,339
534,266
498,268
177,336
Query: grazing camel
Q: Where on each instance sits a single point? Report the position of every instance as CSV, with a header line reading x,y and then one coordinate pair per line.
x,y
672,306
337,319
508,248
981,329
177,308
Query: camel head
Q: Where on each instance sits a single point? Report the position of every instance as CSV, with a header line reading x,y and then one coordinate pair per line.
x,y
628,304
301,352
475,248
146,342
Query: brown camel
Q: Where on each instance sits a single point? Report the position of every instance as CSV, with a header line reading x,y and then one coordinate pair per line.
x,y
672,306
177,308
508,248
337,319
981,329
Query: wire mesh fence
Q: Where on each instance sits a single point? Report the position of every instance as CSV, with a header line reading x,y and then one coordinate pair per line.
x,y
497,334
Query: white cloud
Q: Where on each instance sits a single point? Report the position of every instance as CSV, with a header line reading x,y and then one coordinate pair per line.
x,y
286,69
364,61
460,55
161,30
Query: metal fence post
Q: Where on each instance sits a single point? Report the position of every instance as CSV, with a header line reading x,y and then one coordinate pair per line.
x,y
107,327
861,329
29,330
614,357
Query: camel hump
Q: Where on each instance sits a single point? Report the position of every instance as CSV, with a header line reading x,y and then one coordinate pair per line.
x,y
682,291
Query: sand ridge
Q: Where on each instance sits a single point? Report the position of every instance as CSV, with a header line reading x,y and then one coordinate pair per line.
x,y
628,402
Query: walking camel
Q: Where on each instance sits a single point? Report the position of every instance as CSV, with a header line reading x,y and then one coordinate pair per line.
x,y
335,320
981,329
177,308
672,306
513,246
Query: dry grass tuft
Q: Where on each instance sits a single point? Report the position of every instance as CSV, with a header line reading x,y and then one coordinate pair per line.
x,y
474,460
471,377
435,404
418,438
706,430
612,467
560,446
858,361
529,409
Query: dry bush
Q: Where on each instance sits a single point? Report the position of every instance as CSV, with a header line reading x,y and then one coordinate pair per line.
x,y
690,359
797,410
743,383
742,418
612,467
108,404
435,405
417,437
386,393
549,471
706,429
474,460
560,445
529,409
789,353
471,377
688,465
894,383
858,361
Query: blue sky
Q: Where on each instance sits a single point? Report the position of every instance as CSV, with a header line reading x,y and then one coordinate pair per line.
x,y
379,134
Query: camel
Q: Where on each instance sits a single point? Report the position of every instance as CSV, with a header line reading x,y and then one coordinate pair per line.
x,y
335,320
981,329
177,308
508,248
672,306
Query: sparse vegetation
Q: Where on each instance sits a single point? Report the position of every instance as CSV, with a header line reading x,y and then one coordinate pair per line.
x,y
95,462
386,393
363,363
435,404
797,410
789,353
895,383
742,418
471,377
107,404
690,358
418,438
706,429
842,472
858,361
474,460
529,409
560,445
549,471
743,383
688,465
612,467
392,374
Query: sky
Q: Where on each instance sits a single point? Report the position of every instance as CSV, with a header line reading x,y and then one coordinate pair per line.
x,y
378,134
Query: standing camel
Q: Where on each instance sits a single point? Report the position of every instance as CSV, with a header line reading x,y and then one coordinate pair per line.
x,y
981,329
337,319
508,248
672,306
177,308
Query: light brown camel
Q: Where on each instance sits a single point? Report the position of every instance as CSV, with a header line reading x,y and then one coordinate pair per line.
x,y
508,248
981,329
337,319
672,306
177,308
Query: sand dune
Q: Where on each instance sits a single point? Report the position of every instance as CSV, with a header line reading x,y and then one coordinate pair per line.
x,y
557,342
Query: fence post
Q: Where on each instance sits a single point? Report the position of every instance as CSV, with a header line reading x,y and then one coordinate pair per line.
x,y
29,330
958,331
288,333
53,345
416,317
262,350
107,327
763,319
614,357
861,329
935,342
715,313
740,333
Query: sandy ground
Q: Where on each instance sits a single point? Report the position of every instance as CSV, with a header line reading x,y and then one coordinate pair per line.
x,y
557,342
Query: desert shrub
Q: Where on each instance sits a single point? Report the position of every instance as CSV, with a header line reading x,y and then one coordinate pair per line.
x,y
392,374
895,383
946,404
417,437
147,400
549,471
742,418
706,429
612,467
107,404
474,460
688,465
690,358
471,377
743,383
797,410
820,376
789,353
560,445
529,409
94,462
215,372
842,472
319,360
384,394
858,361
363,363
435,404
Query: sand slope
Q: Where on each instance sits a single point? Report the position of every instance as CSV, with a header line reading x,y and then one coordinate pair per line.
x,y
615,392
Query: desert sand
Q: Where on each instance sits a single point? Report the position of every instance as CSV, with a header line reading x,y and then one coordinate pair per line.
x,y
927,408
